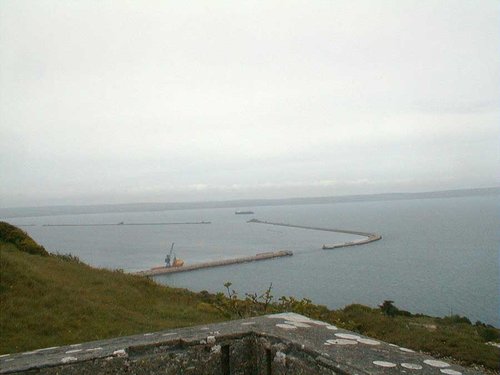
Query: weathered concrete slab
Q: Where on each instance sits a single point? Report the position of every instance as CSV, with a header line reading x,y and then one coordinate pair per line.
x,y
273,344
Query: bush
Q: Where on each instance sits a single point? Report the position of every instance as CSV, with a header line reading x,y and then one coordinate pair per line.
x,y
69,258
452,319
488,333
388,308
11,234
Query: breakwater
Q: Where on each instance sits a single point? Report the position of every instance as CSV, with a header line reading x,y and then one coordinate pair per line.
x,y
369,237
122,223
216,263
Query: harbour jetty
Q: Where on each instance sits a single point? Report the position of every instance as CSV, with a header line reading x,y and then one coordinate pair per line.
x,y
240,212
216,263
123,223
368,237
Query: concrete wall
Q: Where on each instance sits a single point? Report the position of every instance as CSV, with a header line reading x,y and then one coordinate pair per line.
x,y
270,345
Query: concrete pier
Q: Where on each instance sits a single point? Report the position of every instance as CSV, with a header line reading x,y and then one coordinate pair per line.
x,y
125,224
217,263
369,237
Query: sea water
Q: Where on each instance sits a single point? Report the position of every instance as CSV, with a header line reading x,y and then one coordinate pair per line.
x,y
437,256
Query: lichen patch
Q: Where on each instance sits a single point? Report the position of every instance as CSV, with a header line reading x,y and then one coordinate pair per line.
x,y
406,350
384,364
449,371
347,336
73,351
411,366
341,342
297,324
68,359
368,341
436,363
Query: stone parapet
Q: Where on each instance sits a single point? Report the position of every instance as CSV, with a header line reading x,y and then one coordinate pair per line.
x,y
277,344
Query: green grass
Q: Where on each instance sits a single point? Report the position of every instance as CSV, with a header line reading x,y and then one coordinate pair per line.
x,y
54,300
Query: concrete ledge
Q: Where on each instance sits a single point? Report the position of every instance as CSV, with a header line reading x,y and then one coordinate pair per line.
x,y
278,344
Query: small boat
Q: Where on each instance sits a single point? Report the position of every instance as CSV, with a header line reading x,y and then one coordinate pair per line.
x,y
238,212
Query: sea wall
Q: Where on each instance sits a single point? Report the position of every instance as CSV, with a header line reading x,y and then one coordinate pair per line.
x,y
278,344
216,263
369,237
366,238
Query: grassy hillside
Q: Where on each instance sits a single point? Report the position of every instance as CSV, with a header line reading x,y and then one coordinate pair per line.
x,y
48,300
51,300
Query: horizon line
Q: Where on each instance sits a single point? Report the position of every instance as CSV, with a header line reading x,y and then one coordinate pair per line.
x,y
255,200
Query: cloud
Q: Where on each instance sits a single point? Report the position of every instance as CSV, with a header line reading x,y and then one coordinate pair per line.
x,y
177,101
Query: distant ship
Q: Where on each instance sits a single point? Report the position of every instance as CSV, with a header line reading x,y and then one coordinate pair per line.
x,y
243,212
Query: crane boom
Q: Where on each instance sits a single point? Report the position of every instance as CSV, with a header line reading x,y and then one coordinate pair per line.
x,y
171,259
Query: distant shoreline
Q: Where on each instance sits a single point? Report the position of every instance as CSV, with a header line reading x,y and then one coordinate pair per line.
x,y
15,212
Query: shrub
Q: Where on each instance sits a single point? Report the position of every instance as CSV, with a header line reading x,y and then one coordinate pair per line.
x,y
69,258
488,333
451,319
388,308
11,234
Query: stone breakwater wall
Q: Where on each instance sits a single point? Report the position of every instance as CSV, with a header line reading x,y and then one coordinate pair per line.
x,y
127,224
217,263
278,344
369,237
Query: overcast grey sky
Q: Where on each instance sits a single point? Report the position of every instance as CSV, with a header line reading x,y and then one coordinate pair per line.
x,y
123,101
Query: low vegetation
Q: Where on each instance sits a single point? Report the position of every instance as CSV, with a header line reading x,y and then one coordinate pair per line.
x,y
15,236
48,300
452,336
52,299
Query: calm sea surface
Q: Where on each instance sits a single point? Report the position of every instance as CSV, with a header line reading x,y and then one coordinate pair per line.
x,y
437,256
